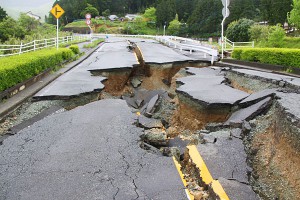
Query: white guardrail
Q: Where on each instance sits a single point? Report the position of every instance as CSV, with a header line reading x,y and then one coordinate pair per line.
x,y
229,45
9,50
177,43
172,41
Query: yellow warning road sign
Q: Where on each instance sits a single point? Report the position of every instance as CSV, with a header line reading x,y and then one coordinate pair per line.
x,y
57,11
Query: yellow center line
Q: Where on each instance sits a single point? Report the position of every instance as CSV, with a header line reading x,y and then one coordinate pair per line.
x,y
205,174
178,167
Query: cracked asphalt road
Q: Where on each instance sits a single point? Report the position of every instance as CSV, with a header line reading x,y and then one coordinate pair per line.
x,y
92,156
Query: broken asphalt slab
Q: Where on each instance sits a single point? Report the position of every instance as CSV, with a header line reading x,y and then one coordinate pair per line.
x,y
74,83
208,89
92,156
246,114
111,57
226,161
258,96
155,53
149,123
280,79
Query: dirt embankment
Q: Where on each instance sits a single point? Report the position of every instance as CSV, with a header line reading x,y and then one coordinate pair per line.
x,y
273,146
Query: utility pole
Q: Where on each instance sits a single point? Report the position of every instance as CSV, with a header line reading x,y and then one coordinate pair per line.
x,y
225,13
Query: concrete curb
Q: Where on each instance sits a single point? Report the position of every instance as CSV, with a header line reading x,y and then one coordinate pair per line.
x,y
8,106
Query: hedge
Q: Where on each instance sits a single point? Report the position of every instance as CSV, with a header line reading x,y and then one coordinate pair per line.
x,y
17,69
75,49
275,56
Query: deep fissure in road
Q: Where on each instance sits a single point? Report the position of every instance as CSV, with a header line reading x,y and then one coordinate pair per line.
x,y
172,120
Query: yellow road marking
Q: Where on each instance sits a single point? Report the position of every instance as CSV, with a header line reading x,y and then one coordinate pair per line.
x,y
197,159
205,174
218,189
189,195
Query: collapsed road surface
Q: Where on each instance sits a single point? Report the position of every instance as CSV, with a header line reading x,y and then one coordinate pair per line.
x,y
138,120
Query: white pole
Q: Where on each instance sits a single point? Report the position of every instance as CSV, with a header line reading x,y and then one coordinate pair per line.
x,y
224,17
57,33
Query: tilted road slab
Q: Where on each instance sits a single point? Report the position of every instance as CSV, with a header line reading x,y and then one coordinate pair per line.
x,y
91,152
113,56
270,76
73,83
208,88
155,53
226,161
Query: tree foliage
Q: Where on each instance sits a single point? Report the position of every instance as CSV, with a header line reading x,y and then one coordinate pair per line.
x,y
3,14
165,11
150,14
198,17
174,27
91,10
239,31
276,36
206,17
294,16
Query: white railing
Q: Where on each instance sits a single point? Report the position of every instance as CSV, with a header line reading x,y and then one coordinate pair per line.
x,y
229,45
9,50
175,42
191,46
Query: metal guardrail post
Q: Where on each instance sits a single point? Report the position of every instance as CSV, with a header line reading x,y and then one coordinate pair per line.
x,y
34,46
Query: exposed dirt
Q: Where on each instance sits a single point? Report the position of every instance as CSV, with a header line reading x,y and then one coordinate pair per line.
x,y
275,162
272,146
236,85
193,116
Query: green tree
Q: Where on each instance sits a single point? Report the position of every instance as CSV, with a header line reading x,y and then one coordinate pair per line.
x,y
206,17
150,14
106,13
259,33
165,11
294,15
276,36
275,11
174,26
10,28
242,9
239,31
3,14
90,9
28,23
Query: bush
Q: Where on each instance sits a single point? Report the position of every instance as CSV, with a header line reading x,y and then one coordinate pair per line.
x,y
259,33
276,36
238,31
75,49
16,69
275,56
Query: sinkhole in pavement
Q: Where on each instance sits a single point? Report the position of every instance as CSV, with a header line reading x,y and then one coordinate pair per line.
x,y
172,122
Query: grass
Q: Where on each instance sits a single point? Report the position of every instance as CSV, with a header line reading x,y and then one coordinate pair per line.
x,y
93,44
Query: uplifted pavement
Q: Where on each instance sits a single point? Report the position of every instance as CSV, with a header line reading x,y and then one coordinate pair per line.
x,y
156,53
110,56
207,87
92,156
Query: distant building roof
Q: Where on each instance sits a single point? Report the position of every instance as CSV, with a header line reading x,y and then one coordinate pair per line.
x,y
30,14
131,16
113,17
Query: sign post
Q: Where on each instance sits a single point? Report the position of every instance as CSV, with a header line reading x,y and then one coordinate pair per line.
x,y
88,22
57,12
225,13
